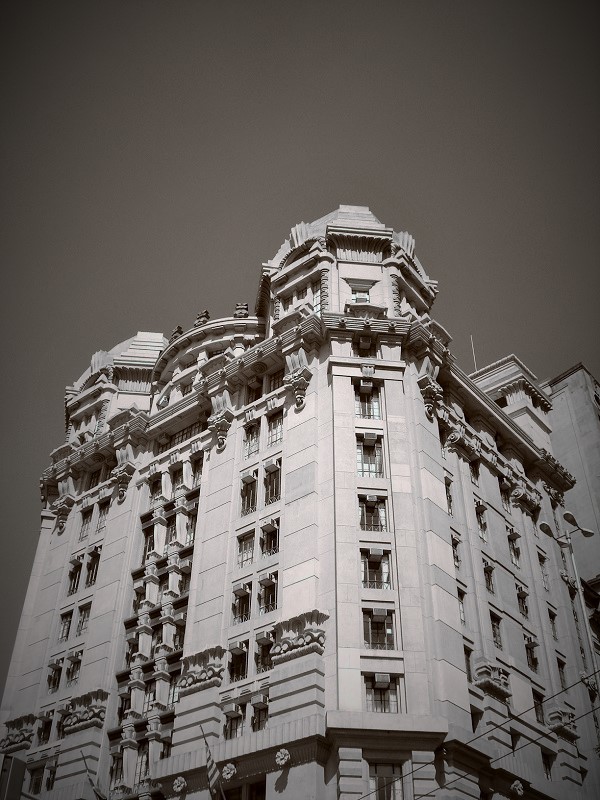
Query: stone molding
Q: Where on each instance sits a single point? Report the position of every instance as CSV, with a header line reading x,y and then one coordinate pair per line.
x,y
202,670
86,711
492,680
19,734
561,721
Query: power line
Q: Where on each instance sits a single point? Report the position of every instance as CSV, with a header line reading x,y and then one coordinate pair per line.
x,y
499,758
494,728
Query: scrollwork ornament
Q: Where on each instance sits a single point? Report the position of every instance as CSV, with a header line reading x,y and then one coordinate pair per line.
x,y
517,788
282,757
179,784
229,770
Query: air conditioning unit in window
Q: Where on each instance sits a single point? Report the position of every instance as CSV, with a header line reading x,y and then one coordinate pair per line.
x,y
375,554
259,700
479,505
370,437
269,525
521,591
379,613
487,567
272,465
264,637
248,477
231,710
185,565
238,648
267,579
381,680
371,500
365,387
74,655
241,589
364,342
76,560
513,534
530,642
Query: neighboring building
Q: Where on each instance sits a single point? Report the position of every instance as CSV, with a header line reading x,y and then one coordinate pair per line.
x,y
575,421
310,535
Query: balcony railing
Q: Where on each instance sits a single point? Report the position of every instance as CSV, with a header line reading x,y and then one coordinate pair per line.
x,y
272,498
270,551
373,526
248,510
237,618
265,608
377,584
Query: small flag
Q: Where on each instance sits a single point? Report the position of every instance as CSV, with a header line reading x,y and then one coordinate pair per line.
x,y
212,773
97,793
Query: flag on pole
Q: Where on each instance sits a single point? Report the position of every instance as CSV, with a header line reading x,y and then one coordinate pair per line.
x,y
212,773
97,793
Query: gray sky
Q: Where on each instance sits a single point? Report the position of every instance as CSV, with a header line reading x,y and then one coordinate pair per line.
x,y
154,154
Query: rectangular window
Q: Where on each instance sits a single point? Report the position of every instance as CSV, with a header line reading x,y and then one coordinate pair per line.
x,y
372,513
177,481
267,598
275,429
36,780
544,570
385,782
561,666
83,620
251,440
375,569
474,471
123,707
45,729
276,380
245,552
73,670
234,725
116,771
553,628
301,293
269,543
74,577
481,520
381,693
361,296
365,347
197,464
461,606
449,500
54,676
253,392
496,631
190,528
248,494
142,767
316,297
538,707
378,629
173,690
369,458
504,495
456,551
263,657
522,600
514,549
148,545
103,509
65,626
259,718
94,479
170,532
488,572
242,598
367,405
468,664
238,666
149,696
547,762
91,574
86,521
272,485
530,648
155,491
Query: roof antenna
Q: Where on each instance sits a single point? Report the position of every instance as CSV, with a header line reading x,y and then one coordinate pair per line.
x,y
473,349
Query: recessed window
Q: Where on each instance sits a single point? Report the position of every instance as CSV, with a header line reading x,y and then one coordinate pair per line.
x,y
91,574
456,551
538,706
275,429
495,623
316,297
248,493
381,692
553,627
269,541
378,629
530,652
385,782
238,666
361,296
251,440
372,513
367,404
562,676
369,458
242,600
267,596
86,522
142,764
65,626
488,573
234,722
513,548
276,380
481,520
245,552
474,471
375,569
461,606
74,577
449,499
547,762
83,620
103,509
272,482
468,663
544,570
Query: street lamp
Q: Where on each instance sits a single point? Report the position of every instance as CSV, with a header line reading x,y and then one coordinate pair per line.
x,y
565,541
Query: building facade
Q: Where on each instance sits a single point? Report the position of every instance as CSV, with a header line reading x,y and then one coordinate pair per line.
x,y
309,537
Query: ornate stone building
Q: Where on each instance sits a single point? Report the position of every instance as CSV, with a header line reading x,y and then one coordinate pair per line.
x,y
308,535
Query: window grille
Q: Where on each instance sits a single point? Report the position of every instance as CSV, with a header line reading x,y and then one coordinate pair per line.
x,y
272,486
361,296
245,549
276,380
372,514
375,570
268,598
248,494
241,609
369,459
316,297
269,544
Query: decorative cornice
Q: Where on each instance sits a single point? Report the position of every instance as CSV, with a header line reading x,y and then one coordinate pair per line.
x,y
299,636
19,734
492,680
202,670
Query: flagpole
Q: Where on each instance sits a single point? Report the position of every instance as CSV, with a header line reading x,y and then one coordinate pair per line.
x,y
210,764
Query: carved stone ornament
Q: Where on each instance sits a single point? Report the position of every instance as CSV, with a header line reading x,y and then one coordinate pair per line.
x,y
122,475
179,784
529,500
298,382
62,508
282,757
176,334
557,498
228,771
87,711
492,680
19,734
432,394
558,467
571,582
202,318
241,311
517,788
299,636
201,671
562,722
219,424
591,685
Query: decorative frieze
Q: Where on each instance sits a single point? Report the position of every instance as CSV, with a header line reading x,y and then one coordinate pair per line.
x,y
561,721
220,420
19,734
298,376
558,467
62,508
557,498
432,394
202,670
121,476
87,711
299,636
